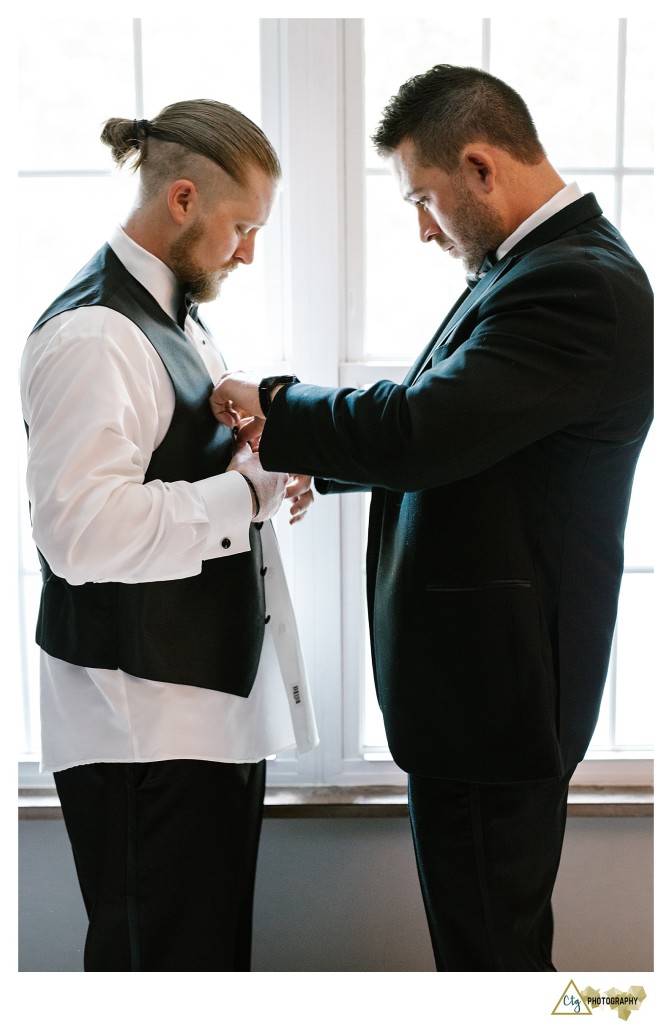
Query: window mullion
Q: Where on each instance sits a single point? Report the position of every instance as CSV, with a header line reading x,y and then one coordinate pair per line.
x,y
355,188
486,43
138,77
620,120
309,133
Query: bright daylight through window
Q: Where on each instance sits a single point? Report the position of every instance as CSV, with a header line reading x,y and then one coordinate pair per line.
x,y
386,294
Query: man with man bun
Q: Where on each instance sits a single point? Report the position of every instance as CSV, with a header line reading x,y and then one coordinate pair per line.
x,y
162,687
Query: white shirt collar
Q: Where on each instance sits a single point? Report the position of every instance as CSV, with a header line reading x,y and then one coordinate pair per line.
x,y
567,195
149,270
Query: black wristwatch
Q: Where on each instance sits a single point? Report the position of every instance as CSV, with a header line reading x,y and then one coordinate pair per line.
x,y
266,390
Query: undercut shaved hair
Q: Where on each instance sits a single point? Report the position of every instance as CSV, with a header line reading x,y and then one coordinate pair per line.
x,y
190,140
448,108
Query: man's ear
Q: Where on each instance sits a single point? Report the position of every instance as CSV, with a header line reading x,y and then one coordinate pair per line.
x,y
480,168
181,199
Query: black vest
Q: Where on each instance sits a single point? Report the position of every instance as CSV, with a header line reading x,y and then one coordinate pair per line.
x,y
206,630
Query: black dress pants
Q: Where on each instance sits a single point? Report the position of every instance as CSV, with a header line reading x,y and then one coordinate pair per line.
x,y
166,858
487,857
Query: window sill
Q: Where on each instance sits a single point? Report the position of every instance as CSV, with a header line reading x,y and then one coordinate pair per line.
x,y
380,802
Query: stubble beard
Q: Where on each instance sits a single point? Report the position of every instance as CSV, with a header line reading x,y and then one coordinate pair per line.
x,y
481,229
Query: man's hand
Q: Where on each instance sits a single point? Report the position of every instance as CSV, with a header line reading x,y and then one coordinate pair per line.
x,y
237,393
267,488
300,494
246,429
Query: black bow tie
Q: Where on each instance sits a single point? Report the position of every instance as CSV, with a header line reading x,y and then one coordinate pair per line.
x,y
488,263
186,307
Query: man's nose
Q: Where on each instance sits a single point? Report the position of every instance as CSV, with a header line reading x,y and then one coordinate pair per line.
x,y
245,250
427,225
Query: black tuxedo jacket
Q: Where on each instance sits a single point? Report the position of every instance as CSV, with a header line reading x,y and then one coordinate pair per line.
x,y
501,473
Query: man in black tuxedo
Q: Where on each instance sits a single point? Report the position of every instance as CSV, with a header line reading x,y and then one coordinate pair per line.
x,y
501,472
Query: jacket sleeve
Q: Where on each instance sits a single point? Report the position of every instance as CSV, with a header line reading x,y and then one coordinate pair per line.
x,y
536,357
338,487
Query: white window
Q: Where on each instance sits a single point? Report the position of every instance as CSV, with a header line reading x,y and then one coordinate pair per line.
x,y
340,244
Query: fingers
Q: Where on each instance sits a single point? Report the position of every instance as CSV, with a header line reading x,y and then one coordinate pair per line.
x,y
224,411
298,484
249,431
227,414
298,509
300,495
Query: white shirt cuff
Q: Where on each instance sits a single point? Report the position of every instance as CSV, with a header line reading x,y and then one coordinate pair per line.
x,y
228,504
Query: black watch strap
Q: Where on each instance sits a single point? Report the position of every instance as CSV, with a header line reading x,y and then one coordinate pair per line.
x,y
266,390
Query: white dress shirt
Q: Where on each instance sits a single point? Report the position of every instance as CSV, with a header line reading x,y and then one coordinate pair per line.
x,y
98,401
565,197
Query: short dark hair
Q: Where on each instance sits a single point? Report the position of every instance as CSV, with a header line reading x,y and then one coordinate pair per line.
x,y
447,108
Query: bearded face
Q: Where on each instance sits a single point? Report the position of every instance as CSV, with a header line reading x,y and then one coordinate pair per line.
x,y
202,283
476,229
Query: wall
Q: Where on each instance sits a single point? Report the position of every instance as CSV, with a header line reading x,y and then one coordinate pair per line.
x,y
342,895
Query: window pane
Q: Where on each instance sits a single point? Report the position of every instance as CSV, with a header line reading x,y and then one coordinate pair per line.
x,y
397,48
641,537
238,317
637,669
373,738
69,220
74,73
29,596
565,70
410,285
640,92
194,63
602,734
604,188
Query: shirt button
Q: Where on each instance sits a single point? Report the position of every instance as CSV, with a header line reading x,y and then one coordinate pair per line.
x,y
267,619
226,543
263,570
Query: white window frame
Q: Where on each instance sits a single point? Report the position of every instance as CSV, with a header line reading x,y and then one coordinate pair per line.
x,y
312,88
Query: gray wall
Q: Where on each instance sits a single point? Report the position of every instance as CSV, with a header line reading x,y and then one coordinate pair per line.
x,y
342,895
